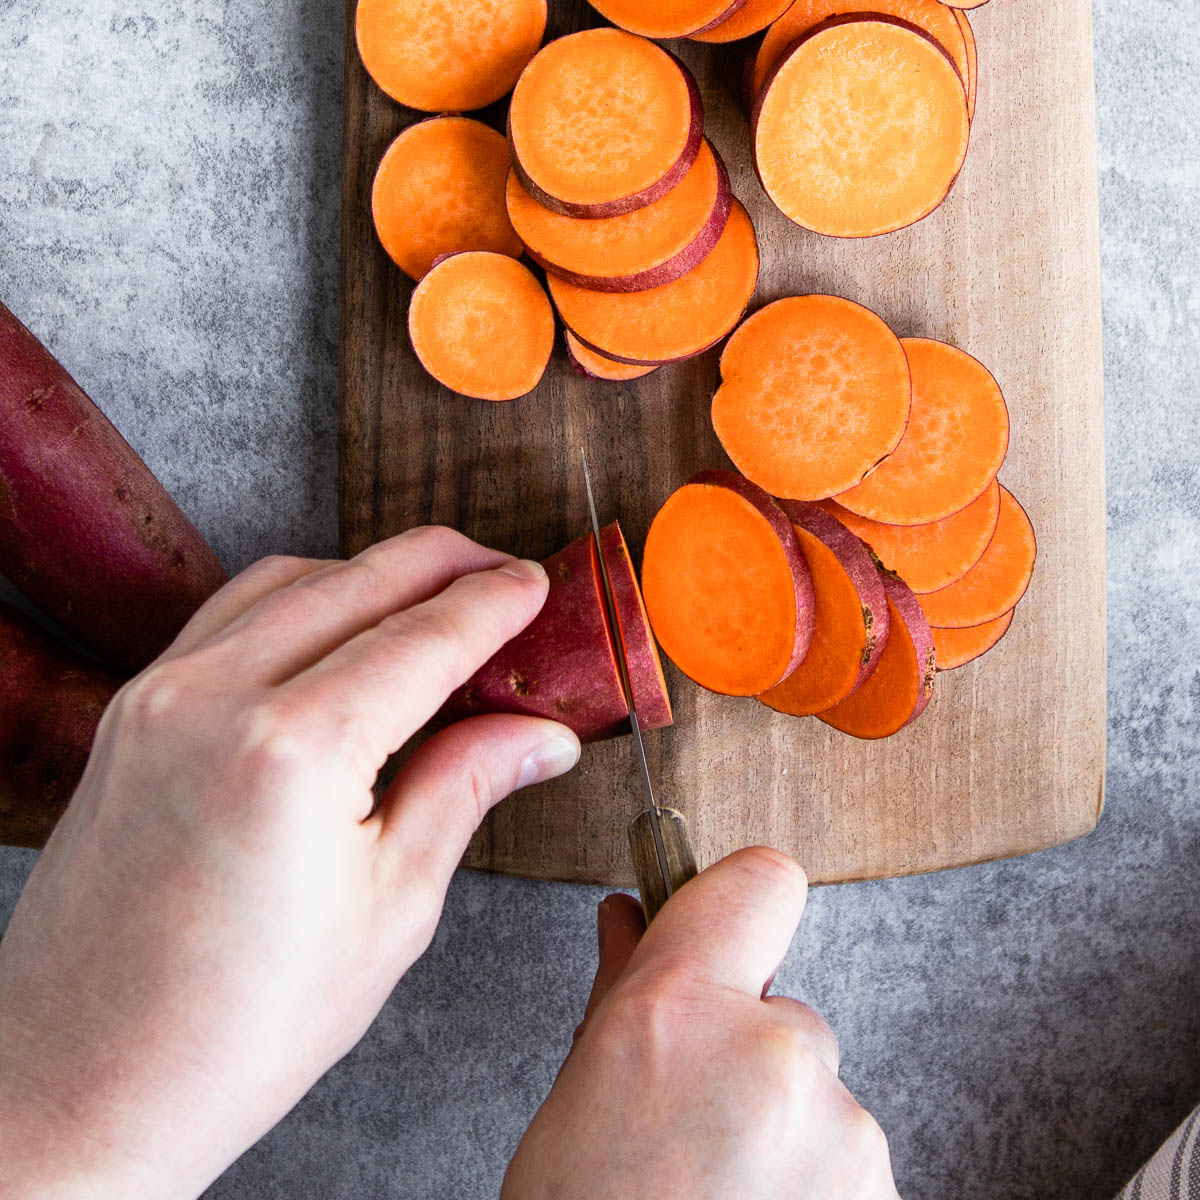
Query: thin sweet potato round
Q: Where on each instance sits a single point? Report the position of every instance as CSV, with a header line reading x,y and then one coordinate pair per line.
x,y
957,647
928,557
850,625
814,392
971,74
678,319
603,122
964,3
997,581
481,324
667,18
802,16
901,685
646,248
448,55
440,189
955,442
753,17
862,127
726,586
591,365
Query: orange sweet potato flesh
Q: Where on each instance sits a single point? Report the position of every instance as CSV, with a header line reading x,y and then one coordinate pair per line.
x,y
726,586
928,557
901,685
971,75
440,189
667,18
591,365
862,127
955,442
678,319
751,18
603,122
804,15
997,582
652,245
481,324
814,392
448,55
957,647
850,623
965,3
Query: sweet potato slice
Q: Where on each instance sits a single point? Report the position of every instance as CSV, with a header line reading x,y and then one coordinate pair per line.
x,y
996,582
802,16
646,248
814,392
957,647
678,319
448,55
667,18
440,189
850,624
602,123
928,557
728,592
753,17
861,128
971,74
955,442
591,365
901,685
964,3
481,324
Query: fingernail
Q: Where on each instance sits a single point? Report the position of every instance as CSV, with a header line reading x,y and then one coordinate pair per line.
x,y
524,569
556,757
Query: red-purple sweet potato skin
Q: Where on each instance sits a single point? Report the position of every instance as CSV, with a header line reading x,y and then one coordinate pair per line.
x,y
86,531
50,704
561,666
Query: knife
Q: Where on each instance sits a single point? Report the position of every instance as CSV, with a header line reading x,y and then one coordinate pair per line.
x,y
658,837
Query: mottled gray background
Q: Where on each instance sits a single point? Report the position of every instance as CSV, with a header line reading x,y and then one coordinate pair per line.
x,y
168,224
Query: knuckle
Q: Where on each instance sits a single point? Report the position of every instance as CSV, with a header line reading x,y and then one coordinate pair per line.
x,y
151,698
270,742
867,1136
785,1058
434,539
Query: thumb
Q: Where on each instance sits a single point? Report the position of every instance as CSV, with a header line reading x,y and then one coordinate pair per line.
x,y
620,924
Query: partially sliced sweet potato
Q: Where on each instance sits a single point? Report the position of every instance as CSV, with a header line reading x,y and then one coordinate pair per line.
x,y
955,442
861,128
448,55
603,122
901,685
591,365
728,592
753,17
928,557
814,392
957,647
676,320
481,324
850,624
971,74
439,190
646,248
997,581
667,18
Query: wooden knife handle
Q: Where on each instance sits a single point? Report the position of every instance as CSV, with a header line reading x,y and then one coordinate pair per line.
x,y
681,862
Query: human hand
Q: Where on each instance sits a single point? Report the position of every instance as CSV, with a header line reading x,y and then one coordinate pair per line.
x,y
221,913
684,1083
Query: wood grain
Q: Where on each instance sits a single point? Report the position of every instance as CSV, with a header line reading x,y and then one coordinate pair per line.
x,y
1009,758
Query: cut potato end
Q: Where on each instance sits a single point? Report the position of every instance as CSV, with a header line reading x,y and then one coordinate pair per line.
x,y
481,324
588,363
753,17
957,647
815,391
667,18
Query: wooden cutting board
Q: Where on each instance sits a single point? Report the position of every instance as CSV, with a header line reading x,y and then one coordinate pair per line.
x,y
1009,757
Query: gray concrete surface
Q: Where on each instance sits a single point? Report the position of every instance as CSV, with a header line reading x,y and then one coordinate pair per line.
x,y
168,223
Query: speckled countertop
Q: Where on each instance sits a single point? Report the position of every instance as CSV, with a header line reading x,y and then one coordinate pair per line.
x,y
169,179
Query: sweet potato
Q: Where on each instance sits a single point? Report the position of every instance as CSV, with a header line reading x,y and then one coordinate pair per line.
x,y
86,531
448,55
814,392
971,74
964,3
678,319
957,647
481,325
50,705
667,18
563,666
591,365
751,18
646,248
861,128
901,685
728,592
439,190
603,122
850,628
